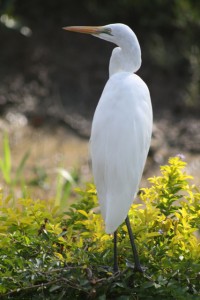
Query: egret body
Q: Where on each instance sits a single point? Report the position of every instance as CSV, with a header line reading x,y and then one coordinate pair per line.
x,y
121,130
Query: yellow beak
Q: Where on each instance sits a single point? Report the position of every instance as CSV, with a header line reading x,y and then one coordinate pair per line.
x,y
85,29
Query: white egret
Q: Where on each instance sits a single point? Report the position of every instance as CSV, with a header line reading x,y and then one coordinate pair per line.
x,y
121,130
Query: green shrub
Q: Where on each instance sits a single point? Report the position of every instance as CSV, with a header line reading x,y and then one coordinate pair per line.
x,y
46,254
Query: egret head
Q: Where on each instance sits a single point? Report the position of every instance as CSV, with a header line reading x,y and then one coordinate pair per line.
x,y
127,56
114,33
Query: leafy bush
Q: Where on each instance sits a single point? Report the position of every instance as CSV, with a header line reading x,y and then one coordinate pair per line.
x,y
48,254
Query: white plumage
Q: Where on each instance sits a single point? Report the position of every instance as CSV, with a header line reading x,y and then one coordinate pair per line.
x,y
121,130
122,126
120,139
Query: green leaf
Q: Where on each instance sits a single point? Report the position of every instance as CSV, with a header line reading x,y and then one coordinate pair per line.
x,y
21,166
5,162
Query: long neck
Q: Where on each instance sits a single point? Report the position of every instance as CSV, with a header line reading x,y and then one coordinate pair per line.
x,y
126,57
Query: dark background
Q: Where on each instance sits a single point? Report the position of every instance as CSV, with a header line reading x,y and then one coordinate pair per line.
x,y
49,68
52,75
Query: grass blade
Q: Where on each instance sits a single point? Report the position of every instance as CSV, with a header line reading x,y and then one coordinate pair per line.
x,y
21,166
5,162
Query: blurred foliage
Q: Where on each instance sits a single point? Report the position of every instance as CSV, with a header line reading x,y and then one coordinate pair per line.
x,y
15,179
6,165
45,254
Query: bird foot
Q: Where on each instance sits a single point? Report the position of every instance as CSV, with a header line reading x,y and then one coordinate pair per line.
x,y
116,269
136,267
139,269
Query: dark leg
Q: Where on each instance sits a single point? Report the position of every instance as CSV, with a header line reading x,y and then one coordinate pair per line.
x,y
138,267
116,269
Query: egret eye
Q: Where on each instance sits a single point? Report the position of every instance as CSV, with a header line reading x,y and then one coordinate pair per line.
x,y
107,31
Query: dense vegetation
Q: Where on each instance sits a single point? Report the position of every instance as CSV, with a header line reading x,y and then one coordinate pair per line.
x,y
49,254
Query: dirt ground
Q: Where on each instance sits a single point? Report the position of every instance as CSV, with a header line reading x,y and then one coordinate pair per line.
x,y
53,145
